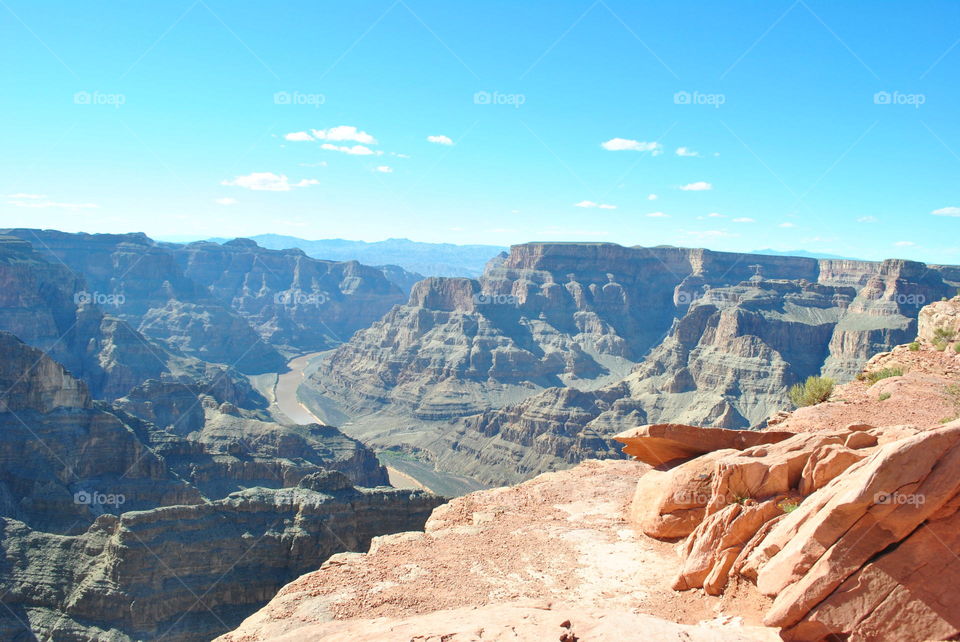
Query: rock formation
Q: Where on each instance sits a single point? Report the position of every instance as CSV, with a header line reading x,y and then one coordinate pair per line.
x,y
173,513
848,526
294,302
236,304
557,344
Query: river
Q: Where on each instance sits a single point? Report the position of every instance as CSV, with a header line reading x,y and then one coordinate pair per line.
x,y
288,403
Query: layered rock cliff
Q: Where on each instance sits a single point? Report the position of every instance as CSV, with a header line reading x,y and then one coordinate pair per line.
x,y
293,301
473,370
171,514
236,303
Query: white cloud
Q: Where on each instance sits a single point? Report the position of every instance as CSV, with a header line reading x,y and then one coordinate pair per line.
x,y
658,215
591,204
225,201
21,195
268,182
385,169
47,204
440,140
344,133
686,151
652,197
787,225
947,211
744,219
298,136
904,244
867,219
625,144
715,215
356,150
699,186
400,155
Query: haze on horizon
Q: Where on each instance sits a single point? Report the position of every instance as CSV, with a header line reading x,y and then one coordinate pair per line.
x,y
788,125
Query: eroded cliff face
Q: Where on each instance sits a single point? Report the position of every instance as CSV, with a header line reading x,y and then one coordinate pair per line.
x,y
140,282
295,302
171,513
470,368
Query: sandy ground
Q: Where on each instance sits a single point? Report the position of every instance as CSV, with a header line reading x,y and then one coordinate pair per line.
x,y
554,548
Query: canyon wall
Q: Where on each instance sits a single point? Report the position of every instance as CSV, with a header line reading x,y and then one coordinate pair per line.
x,y
170,513
520,371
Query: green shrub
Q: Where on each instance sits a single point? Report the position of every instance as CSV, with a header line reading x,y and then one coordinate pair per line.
x,y
788,506
877,375
943,334
956,348
884,396
812,391
914,346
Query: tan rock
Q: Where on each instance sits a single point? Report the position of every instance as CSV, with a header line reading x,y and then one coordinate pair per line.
x,y
861,440
837,530
828,462
714,546
904,594
659,444
670,504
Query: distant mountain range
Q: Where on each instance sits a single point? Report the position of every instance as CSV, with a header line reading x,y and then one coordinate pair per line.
x,y
804,253
428,259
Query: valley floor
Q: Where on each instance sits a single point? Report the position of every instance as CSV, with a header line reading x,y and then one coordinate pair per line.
x,y
513,563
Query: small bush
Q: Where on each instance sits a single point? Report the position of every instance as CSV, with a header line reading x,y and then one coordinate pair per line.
x,y
788,506
943,334
812,391
956,348
884,396
877,375
914,346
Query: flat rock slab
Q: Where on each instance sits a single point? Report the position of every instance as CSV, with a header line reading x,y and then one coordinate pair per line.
x,y
659,444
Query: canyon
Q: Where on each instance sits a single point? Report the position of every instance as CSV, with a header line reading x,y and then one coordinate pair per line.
x,y
188,428
559,346
838,522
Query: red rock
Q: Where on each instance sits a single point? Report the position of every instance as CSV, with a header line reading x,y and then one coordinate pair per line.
x,y
828,462
861,440
659,444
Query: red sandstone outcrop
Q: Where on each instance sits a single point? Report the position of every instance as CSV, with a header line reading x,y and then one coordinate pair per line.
x,y
850,529
658,444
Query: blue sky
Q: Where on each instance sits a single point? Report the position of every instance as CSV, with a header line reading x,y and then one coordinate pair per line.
x,y
824,126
